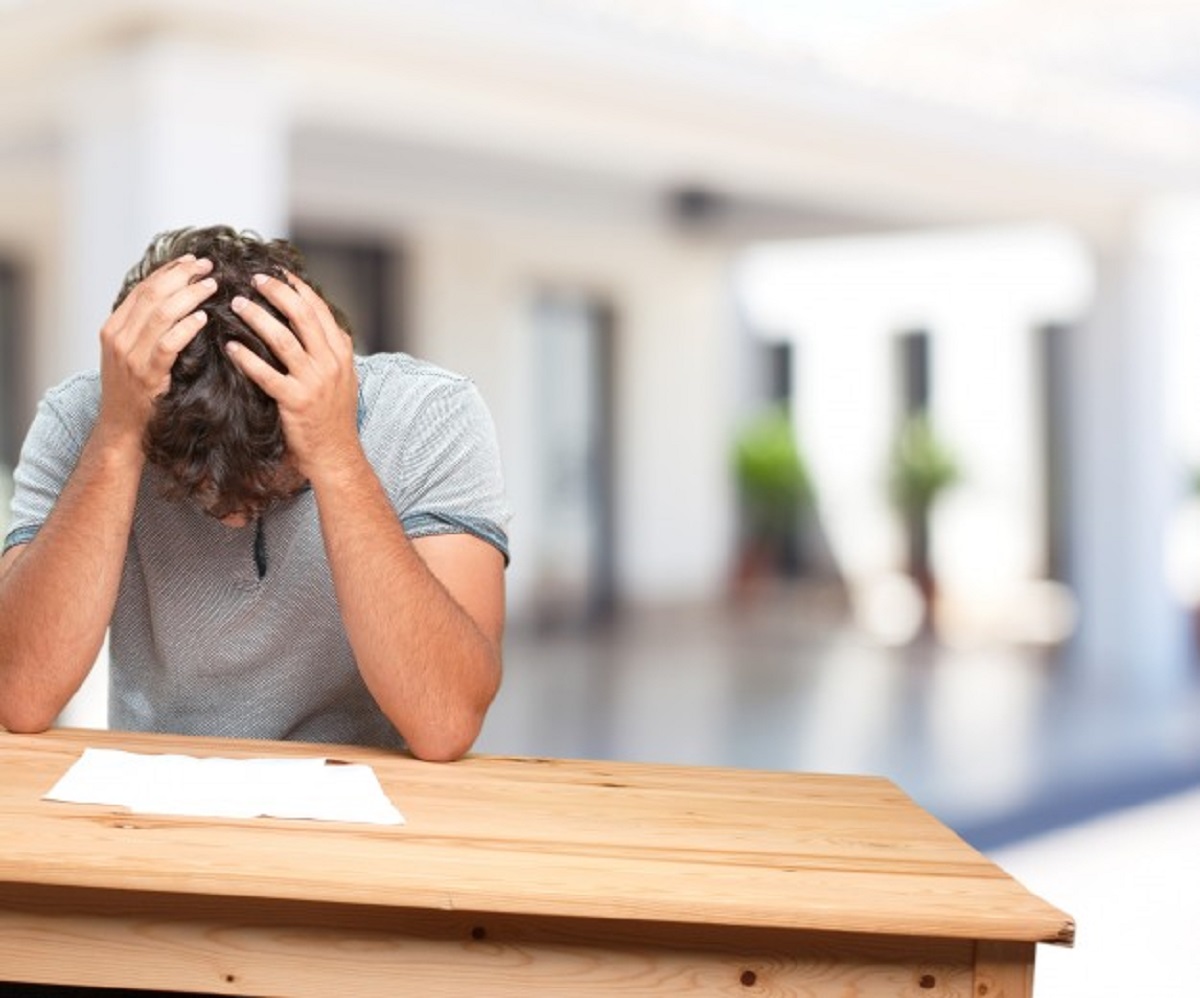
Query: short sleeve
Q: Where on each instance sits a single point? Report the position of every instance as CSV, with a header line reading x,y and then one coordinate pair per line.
x,y
444,473
49,454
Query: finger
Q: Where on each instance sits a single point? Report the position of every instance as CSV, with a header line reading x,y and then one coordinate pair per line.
x,y
174,274
148,335
273,382
189,297
169,346
281,340
136,294
179,271
305,319
145,300
335,335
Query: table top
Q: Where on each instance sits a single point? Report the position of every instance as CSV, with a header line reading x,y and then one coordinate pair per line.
x,y
562,838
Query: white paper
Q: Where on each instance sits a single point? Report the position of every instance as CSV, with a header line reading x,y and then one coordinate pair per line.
x,y
227,788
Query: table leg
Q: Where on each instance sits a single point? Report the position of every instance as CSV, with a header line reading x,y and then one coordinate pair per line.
x,y
1003,970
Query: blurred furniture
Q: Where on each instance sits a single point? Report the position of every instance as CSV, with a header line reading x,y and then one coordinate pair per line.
x,y
512,876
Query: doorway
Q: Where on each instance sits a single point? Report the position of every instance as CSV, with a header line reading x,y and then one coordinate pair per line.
x,y
575,569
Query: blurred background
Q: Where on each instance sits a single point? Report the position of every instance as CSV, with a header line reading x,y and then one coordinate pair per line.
x,y
843,356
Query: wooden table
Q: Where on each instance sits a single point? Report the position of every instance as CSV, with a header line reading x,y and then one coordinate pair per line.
x,y
511,877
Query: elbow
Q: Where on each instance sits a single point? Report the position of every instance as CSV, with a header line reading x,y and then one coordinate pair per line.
x,y
22,710
28,721
453,734
442,746
448,741
438,753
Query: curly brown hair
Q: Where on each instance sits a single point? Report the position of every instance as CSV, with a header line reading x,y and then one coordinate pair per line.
x,y
215,434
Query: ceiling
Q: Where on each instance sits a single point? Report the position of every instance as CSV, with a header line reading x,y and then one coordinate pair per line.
x,y
844,113
1121,73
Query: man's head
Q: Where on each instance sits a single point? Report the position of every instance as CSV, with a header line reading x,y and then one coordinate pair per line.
x,y
215,434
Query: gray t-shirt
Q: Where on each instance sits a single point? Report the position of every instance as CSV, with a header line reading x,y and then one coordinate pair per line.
x,y
236,631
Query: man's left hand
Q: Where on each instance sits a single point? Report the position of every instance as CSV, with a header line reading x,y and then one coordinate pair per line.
x,y
318,391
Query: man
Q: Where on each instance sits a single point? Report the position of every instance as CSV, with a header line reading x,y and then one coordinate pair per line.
x,y
288,541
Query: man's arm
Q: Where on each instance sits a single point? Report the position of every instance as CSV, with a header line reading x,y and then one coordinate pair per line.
x,y
425,618
57,592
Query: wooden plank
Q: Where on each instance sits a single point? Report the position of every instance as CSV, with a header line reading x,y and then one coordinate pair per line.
x,y
1003,970
271,859
70,936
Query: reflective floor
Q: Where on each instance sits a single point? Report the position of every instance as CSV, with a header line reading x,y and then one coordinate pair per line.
x,y
1001,744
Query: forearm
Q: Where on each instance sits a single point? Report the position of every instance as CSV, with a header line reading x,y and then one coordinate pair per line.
x,y
57,593
427,662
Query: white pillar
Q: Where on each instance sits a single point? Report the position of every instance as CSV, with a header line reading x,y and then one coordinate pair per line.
x,y
845,404
1126,475
991,528
157,136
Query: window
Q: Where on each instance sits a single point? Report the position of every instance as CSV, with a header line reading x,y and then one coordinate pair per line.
x,y
573,341
913,368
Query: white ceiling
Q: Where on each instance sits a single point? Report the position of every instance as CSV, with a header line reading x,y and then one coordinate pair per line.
x,y
1124,73
900,112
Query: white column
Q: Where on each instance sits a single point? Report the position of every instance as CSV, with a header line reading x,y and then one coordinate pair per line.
x,y
991,528
161,135
844,423
1126,474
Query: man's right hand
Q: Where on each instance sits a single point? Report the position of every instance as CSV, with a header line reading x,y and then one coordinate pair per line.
x,y
142,338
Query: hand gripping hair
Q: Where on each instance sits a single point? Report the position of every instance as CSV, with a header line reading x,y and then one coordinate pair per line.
x,y
214,433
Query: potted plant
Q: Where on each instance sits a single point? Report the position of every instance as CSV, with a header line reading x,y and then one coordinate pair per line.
x,y
774,489
922,468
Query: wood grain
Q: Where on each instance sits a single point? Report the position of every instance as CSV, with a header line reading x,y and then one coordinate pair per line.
x,y
1003,970
261,947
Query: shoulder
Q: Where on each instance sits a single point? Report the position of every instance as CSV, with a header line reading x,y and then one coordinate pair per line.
x,y
403,372
81,388
399,388
74,403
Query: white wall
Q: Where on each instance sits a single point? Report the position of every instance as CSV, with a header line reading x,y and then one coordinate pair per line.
x,y
30,237
473,298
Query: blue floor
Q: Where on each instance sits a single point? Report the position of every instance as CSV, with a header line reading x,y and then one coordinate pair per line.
x,y
1000,743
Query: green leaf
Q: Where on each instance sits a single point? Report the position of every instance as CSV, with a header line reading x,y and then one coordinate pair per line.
x,y
922,467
